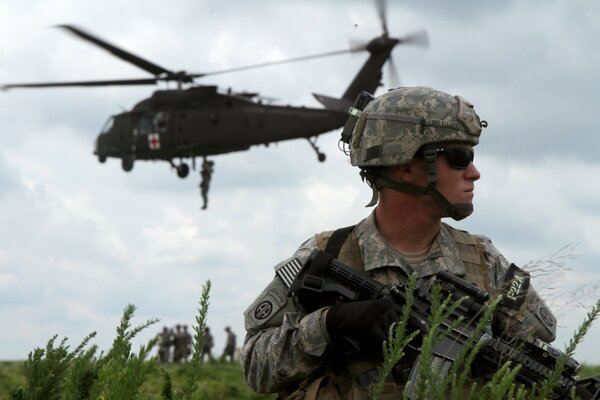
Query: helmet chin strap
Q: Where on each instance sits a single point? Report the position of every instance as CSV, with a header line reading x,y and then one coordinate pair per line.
x,y
456,211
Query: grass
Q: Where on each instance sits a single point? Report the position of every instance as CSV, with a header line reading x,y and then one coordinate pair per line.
x,y
219,381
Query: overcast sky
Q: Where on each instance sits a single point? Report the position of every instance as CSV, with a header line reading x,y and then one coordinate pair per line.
x,y
80,240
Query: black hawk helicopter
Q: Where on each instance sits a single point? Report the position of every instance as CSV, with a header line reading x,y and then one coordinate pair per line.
x,y
200,121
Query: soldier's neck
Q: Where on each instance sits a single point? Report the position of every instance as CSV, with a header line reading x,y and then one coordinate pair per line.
x,y
407,230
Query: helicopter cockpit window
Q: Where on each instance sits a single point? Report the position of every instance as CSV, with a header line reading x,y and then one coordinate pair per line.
x,y
108,125
152,123
146,124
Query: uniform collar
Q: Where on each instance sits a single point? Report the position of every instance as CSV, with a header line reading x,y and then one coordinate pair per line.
x,y
377,252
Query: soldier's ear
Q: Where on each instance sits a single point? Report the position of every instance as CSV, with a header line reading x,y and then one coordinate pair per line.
x,y
402,173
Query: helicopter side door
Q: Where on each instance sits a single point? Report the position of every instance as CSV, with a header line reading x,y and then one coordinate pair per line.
x,y
152,134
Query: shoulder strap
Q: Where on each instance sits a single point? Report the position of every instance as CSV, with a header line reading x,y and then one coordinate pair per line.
x,y
337,239
343,245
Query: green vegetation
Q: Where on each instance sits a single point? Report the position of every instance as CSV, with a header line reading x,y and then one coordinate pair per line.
x,y
428,383
220,381
56,372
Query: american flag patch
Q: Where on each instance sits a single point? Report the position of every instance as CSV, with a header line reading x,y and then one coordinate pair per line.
x,y
288,271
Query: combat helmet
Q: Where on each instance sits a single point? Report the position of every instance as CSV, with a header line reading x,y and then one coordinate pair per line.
x,y
392,128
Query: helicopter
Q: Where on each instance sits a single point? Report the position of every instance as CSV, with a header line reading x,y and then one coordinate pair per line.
x,y
202,121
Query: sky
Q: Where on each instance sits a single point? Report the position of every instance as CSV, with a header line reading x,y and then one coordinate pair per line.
x,y
80,240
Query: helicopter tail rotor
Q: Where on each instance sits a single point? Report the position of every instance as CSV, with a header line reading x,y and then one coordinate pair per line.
x,y
418,38
382,14
394,77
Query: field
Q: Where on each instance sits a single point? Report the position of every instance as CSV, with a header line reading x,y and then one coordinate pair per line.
x,y
220,381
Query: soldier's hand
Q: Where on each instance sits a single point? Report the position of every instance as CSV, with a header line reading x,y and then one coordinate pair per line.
x,y
366,321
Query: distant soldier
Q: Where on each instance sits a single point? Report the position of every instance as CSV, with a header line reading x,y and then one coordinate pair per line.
x,y
207,345
177,344
206,174
229,346
186,344
164,345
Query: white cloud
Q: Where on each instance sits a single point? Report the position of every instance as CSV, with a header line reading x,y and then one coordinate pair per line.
x,y
80,240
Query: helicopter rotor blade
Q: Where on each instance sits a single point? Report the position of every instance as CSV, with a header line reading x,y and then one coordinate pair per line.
x,y
417,38
382,13
352,49
117,82
394,77
116,51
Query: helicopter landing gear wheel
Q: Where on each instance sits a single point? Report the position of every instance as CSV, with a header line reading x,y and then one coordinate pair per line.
x,y
182,170
320,156
127,164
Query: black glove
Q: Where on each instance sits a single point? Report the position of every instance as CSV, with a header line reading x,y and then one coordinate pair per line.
x,y
364,322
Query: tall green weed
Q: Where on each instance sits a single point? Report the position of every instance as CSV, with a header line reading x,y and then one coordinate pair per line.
x,y
56,373
457,383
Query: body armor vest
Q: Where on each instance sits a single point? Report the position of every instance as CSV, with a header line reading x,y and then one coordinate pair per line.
x,y
343,245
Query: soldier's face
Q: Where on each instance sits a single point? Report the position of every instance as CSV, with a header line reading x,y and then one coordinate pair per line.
x,y
456,184
456,176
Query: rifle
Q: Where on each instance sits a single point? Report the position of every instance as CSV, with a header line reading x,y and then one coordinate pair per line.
x,y
323,280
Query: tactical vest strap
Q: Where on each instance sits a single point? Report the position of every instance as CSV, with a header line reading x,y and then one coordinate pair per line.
x,y
308,389
471,254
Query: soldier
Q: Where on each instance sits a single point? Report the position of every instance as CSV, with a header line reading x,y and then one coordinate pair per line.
x,y
178,344
164,345
186,344
206,174
207,345
229,350
414,147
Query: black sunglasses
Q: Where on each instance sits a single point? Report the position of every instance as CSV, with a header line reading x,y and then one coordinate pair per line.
x,y
458,157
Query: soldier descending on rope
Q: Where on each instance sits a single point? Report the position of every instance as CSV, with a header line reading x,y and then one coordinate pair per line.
x,y
206,174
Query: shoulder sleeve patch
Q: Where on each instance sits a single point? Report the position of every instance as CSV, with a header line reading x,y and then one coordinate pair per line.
x,y
268,304
515,287
288,270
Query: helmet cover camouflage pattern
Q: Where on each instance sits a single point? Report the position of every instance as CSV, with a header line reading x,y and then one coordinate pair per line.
x,y
393,127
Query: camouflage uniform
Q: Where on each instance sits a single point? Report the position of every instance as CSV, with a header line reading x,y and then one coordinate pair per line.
x,y
286,348
186,344
207,345
164,349
284,345
229,350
